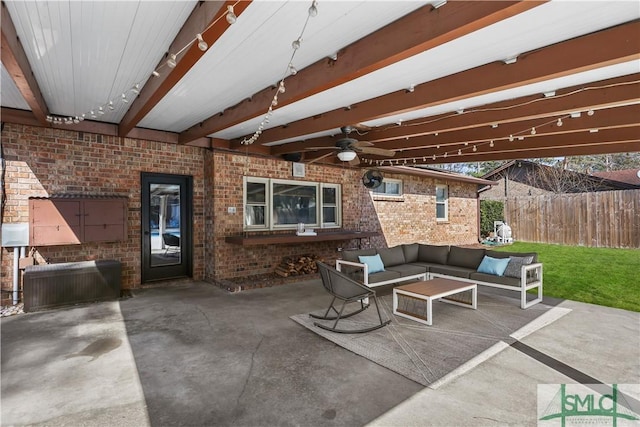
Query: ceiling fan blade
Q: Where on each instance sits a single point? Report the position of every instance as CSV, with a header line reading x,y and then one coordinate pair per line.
x,y
317,159
354,162
377,151
358,144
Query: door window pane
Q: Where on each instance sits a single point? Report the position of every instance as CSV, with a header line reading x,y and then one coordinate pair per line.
x,y
165,224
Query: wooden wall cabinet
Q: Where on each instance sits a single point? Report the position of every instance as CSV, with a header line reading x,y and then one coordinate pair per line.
x,y
72,221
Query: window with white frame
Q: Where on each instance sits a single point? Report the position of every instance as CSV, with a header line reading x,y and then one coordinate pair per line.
x,y
442,203
281,204
331,212
389,187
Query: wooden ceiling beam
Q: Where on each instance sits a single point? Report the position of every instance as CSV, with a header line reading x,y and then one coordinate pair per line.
x,y
612,93
15,61
591,96
602,119
586,149
532,145
607,47
207,14
416,32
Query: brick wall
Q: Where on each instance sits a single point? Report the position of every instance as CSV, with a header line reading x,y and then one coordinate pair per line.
x,y
405,220
42,161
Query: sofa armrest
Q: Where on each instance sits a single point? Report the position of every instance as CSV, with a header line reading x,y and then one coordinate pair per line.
x,y
531,273
365,268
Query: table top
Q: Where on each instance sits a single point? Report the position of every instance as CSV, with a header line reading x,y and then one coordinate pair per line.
x,y
434,286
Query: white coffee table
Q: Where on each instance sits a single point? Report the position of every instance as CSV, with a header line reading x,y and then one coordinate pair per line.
x,y
431,290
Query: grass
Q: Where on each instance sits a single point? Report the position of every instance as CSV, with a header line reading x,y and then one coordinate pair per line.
x,y
603,276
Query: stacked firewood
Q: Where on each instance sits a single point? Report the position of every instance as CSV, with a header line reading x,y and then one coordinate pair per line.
x,y
297,265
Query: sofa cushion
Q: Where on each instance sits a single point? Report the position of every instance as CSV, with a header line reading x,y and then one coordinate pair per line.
x,y
514,267
495,266
374,262
410,252
433,254
383,276
352,255
452,270
491,278
408,269
465,257
392,256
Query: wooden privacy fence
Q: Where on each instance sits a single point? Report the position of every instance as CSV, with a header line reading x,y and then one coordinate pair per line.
x,y
598,219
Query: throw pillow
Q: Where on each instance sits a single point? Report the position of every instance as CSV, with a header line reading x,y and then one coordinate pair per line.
x,y
495,266
374,262
514,268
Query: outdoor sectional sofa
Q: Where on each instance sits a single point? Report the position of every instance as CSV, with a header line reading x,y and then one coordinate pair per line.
x,y
422,262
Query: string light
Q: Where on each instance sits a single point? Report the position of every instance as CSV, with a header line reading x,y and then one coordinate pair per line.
x,y
231,16
202,45
172,62
290,70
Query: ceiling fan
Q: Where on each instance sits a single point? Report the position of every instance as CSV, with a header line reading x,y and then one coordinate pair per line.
x,y
348,148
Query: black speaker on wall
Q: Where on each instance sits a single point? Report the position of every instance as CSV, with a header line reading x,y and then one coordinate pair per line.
x,y
292,157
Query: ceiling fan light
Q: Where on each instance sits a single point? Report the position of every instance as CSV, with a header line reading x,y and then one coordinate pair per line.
x,y
347,155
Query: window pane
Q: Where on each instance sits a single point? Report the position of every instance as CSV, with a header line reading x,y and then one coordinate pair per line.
x,y
329,196
329,214
440,211
392,188
256,192
254,215
441,194
293,204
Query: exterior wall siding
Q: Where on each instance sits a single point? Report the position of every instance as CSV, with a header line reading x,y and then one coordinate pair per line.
x,y
41,162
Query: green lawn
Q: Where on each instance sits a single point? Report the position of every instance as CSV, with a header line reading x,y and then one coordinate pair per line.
x,y
600,276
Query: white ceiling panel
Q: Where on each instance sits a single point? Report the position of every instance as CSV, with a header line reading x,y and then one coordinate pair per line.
x,y
84,54
541,26
255,52
10,95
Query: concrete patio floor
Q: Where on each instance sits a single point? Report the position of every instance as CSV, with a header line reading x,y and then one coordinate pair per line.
x,y
193,354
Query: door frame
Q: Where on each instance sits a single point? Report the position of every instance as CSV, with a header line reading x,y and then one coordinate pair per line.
x,y
151,273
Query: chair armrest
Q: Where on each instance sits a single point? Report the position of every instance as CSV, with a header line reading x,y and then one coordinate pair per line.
x,y
365,268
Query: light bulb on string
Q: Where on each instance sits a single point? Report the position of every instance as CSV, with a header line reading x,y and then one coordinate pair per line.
x,y
124,98
171,62
313,10
296,44
136,89
111,107
292,70
533,131
559,122
231,16
491,144
202,45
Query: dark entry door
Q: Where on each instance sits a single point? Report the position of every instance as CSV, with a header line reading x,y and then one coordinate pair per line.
x,y
166,214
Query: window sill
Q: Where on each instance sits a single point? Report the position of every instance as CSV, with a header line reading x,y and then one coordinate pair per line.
x,y
387,198
275,239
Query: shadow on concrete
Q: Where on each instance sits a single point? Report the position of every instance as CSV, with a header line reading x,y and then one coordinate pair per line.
x,y
209,357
